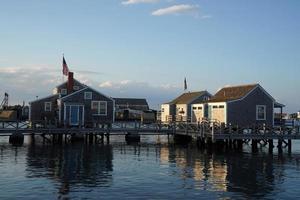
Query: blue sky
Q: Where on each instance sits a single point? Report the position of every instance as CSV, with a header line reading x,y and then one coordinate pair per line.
x,y
145,48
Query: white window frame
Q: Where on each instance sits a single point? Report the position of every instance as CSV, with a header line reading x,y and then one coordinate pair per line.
x,y
86,95
99,107
63,91
75,87
265,112
48,104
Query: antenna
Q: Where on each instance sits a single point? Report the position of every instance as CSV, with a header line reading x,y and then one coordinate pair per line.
x,y
4,103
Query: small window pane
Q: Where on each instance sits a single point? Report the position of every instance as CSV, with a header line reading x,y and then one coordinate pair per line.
x,y
261,112
47,106
88,95
63,91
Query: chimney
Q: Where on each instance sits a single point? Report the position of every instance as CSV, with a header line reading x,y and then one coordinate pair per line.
x,y
70,83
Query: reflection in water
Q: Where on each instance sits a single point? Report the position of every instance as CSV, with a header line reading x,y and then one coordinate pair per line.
x,y
162,170
242,173
78,164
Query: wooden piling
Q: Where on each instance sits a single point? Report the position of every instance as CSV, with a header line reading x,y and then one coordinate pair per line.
x,y
254,145
271,146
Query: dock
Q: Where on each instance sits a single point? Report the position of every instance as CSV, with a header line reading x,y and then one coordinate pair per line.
x,y
205,133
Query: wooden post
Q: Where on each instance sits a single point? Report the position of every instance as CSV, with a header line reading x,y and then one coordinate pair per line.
x,y
279,146
213,133
254,145
289,146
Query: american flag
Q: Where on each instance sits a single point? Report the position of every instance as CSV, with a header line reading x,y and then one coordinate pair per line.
x,y
65,67
185,84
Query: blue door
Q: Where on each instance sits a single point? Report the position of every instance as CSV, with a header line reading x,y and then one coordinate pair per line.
x,y
74,115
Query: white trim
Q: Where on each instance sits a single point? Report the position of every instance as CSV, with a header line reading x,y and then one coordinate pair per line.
x,y
99,107
67,96
45,106
59,109
87,87
265,112
114,110
65,113
226,113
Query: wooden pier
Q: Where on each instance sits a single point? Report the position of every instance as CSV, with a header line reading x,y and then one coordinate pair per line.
x,y
206,133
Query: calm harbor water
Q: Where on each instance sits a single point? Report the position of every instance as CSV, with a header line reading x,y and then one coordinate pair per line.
x,y
153,169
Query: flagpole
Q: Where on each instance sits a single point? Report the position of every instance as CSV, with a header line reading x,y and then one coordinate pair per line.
x,y
63,78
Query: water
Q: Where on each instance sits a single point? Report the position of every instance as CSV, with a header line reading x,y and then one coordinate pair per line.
x,y
154,169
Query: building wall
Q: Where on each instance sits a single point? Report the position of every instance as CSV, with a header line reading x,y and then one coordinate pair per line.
x,y
89,117
64,86
165,112
134,107
182,110
243,112
217,111
197,112
38,113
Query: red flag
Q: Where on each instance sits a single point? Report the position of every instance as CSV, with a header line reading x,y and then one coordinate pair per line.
x,y
65,67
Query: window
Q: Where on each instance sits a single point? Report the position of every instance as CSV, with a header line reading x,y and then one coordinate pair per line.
x,y
75,87
63,91
162,110
99,107
199,108
48,106
260,112
88,95
221,106
206,98
215,107
194,108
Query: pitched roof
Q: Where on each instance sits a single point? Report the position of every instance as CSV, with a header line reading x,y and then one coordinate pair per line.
x,y
130,101
232,93
188,97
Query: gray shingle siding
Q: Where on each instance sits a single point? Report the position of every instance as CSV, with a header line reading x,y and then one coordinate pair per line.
x,y
243,112
89,118
38,113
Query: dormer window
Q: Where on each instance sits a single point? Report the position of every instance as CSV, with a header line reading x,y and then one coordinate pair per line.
x,y
63,91
88,95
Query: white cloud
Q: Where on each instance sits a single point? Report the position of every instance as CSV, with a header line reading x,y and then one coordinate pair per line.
x,y
127,2
155,94
25,83
177,9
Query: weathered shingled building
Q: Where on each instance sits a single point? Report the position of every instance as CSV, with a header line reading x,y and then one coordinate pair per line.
x,y
73,104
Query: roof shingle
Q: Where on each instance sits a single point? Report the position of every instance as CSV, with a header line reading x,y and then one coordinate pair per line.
x,y
187,98
232,93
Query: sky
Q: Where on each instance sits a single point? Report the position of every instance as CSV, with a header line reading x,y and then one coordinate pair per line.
x,y
145,48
